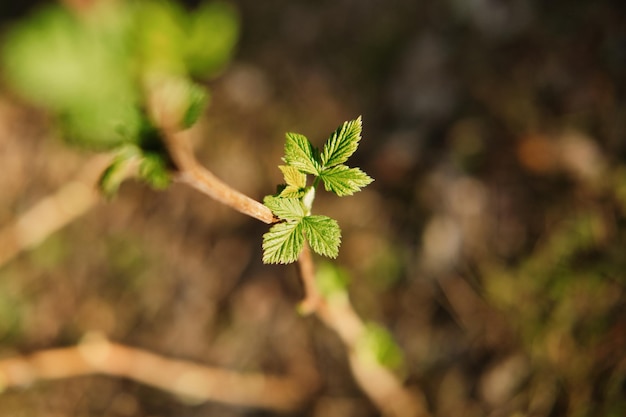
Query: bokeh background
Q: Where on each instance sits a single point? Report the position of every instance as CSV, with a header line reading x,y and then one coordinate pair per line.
x,y
491,244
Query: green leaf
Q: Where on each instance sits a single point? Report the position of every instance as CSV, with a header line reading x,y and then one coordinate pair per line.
x,y
117,172
299,153
331,280
378,344
295,182
323,234
342,144
289,191
153,170
197,99
285,208
344,181
293,176
211,37
283,243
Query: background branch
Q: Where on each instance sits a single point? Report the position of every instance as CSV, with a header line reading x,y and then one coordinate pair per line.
x,y
54,211
383,387
186,379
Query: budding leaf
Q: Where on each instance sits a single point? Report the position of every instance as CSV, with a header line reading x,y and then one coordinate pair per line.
x,y
344,181
197,101
153,170
293,176
323,234
342,143
300,154
285,208
118,171
283,243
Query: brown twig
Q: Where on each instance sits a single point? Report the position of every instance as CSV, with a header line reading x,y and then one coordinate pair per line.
x,y
383,387
186,379
53,212
190,171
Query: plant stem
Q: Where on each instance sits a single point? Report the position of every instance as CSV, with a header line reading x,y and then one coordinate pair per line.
x,y
200,178
183,378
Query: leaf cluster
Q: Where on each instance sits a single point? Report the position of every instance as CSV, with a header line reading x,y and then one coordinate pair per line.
x,y
93,71
292,204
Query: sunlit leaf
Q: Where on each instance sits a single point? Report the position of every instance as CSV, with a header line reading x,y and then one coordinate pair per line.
x,y
344,181
283,243
299,153
342,143
323,234
285,208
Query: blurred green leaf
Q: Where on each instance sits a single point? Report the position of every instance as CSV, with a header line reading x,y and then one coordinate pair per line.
x,y
212,35
79,69
378,344
331,280
116,173
197,98
159,36
154,170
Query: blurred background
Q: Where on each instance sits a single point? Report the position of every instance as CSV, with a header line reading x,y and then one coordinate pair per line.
x,y
491,244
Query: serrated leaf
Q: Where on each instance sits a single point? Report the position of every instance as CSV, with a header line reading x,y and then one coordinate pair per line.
x,y
285,208
283,243
344,181
289,191
293,176
323,234
342,143
299,153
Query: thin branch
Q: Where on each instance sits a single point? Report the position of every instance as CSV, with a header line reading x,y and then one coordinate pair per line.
x,y
383,387
306,268
186,379
53,212
193,173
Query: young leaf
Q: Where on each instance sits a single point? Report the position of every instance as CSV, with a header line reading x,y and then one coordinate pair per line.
x,y
285,208
289,191
344,181
283,243
293,176
197,101
323,234
299,153
342,143
118,171
153,170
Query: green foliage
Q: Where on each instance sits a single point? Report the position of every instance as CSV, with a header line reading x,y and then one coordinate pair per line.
x,y
153,169
343,180
284,241
300,154
342,143
378,344
116,173
331,280
93,71
79,70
